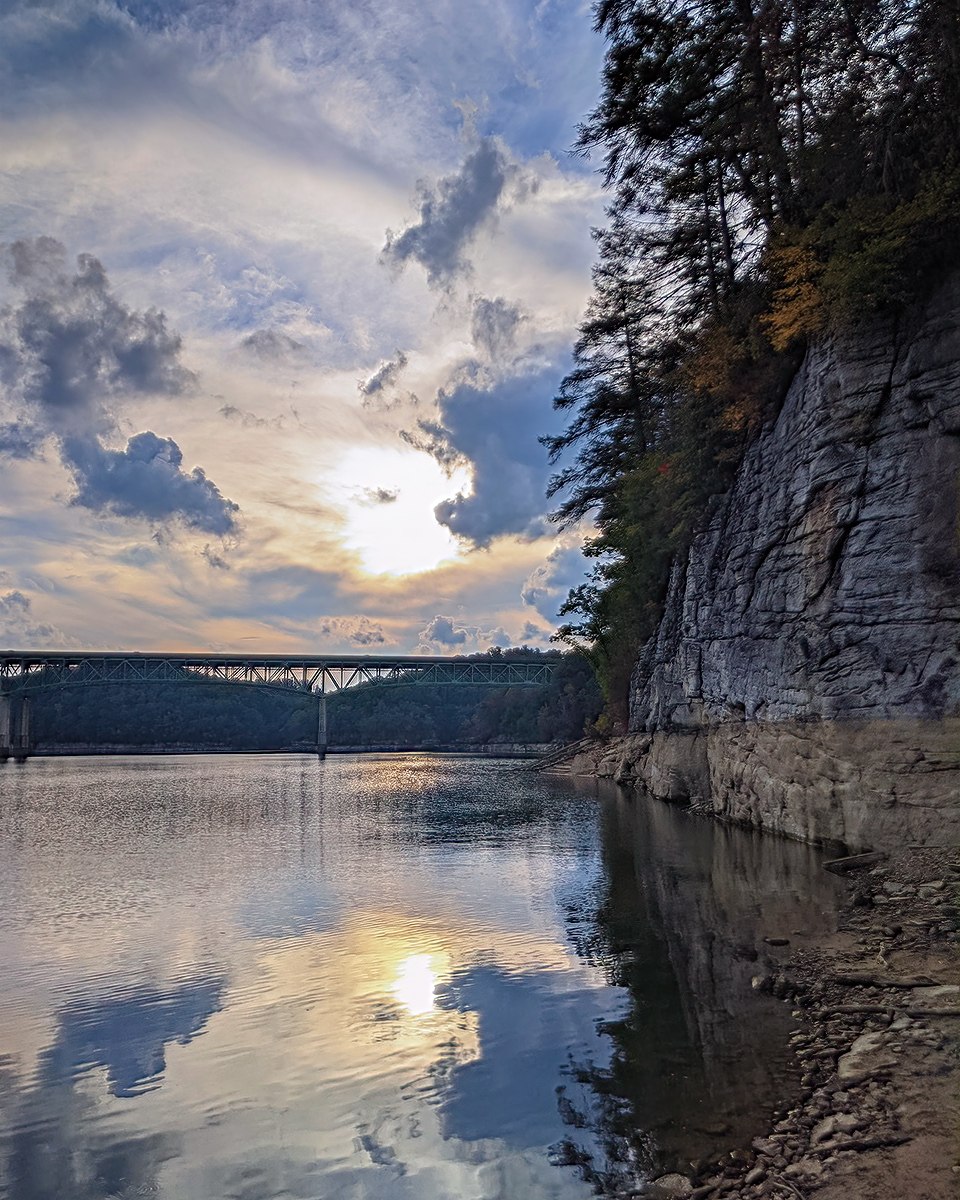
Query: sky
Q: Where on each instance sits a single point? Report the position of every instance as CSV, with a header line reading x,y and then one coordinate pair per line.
x,y
287,289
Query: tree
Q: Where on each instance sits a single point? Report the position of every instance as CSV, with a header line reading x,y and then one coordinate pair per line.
x,y
775,166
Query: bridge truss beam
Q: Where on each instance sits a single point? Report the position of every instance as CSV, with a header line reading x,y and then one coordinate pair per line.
x,y
320,675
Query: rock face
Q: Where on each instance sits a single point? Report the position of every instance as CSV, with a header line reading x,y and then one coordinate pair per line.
x,y
806,675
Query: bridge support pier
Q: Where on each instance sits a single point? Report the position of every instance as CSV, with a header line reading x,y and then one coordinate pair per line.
x,y
5,730
14,726
322,726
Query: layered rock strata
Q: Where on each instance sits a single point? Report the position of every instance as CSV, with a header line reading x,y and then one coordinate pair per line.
x,y
806,674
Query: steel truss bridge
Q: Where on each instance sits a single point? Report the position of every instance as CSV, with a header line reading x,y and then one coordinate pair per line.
x,y
23,672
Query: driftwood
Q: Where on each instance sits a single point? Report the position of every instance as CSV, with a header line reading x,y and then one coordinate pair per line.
x,y
873,1143
856,979
852,862
844,1010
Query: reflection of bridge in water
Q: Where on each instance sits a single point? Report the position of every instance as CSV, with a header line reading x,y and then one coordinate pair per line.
x,y
24,672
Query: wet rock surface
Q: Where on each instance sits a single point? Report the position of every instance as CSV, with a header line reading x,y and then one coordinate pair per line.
x,y
876,1049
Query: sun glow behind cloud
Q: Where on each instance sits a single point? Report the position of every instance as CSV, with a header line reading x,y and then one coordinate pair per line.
x,y
242,174
388,497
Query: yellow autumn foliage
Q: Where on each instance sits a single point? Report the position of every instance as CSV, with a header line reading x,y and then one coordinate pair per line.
x,y
797,309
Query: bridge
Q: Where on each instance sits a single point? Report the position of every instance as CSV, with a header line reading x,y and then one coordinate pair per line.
x,y
25,672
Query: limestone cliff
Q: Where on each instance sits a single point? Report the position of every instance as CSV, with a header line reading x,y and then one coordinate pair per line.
x,y
806,674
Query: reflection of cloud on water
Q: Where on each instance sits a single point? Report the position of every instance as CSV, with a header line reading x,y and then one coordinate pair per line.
x,y
366,942
56,1147
127,1033
525,1026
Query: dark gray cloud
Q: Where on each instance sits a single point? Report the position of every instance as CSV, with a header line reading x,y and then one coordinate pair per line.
x,y
70,352
385,376
451,213
18,439
249,420
493,424
147,480
217,561
270,344
447,631
493,325
443,630
533,633
71,348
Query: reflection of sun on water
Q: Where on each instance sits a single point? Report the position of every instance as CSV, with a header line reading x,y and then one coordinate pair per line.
x,y
415,984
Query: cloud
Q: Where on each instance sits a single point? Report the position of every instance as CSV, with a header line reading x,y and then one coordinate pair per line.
x,y
452,213
547,587
20,440
494,423
250,420
270,344
493,325
69,353
360,631
17,624
376,496
533,633
385,376
447,631
146,480
443,630
236,166
71,346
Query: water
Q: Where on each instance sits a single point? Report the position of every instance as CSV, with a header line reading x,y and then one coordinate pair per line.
x,y
375,978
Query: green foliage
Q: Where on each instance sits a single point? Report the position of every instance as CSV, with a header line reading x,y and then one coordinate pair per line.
x,y
167,714
776,167
249,718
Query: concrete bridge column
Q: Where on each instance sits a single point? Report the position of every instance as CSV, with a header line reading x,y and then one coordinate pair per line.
x,y
14,726
21,738
5,726
322,726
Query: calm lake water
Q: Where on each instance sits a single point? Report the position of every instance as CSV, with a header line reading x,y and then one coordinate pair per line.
x,y
376,978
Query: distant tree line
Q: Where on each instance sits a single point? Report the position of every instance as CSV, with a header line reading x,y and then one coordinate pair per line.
x,y
776,168
240,716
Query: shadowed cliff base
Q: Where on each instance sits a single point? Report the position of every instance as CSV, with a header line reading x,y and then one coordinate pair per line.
x,y
864,784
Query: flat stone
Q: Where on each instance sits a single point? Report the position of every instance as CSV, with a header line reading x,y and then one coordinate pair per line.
x,y
944,994
867,1056
670,1187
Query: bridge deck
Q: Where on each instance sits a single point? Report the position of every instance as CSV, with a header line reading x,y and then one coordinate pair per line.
x,y
316,673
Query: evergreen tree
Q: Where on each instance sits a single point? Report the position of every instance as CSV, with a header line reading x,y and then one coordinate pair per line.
x,y
775,166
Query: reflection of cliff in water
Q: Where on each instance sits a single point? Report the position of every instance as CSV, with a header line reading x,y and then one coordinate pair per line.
x,y
699,1057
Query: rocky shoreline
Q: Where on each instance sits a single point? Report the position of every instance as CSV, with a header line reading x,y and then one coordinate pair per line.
x,y
875,1112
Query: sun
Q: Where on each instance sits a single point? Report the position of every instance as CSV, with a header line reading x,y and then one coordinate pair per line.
x,y
388,496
